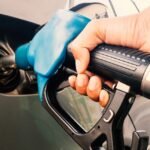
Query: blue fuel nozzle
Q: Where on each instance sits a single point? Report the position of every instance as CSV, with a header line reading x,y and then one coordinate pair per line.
x,y
47,50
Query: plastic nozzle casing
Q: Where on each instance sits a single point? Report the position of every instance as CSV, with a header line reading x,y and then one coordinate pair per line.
x,y
21,58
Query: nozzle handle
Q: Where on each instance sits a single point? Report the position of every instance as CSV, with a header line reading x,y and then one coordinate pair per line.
x,y
124,64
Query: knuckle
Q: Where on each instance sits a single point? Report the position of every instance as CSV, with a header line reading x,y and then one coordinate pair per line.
x,y
81,83
96,78
72,46
93,95
81,90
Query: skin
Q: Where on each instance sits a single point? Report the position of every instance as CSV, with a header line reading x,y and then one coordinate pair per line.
x,y
131,31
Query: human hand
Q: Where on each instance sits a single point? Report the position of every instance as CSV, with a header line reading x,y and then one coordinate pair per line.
x,y
131,31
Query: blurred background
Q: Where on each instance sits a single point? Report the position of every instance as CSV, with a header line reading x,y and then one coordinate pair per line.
x,y
38,11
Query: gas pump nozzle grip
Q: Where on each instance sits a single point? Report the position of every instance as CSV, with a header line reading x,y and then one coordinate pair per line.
x,y
127,65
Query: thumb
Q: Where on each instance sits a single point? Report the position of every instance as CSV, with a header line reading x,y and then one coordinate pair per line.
x,y
82,58
81,46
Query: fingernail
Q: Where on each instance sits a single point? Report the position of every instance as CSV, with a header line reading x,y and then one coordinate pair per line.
x,y
102,95
78,66
92,84
81,82
103,98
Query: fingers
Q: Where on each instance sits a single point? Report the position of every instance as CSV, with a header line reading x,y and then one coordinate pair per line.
x,y
95,91
94,87
91,85
72,80
103,98
79,83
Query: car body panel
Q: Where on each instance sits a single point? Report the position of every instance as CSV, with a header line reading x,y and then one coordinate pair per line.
x,y
25,125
